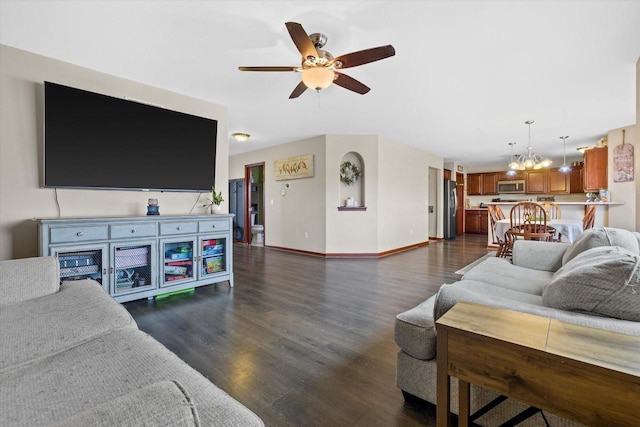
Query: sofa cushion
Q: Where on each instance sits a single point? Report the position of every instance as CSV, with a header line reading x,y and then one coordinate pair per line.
x,y
500,272
28,278
603,281
415,331
40,327
603,236
162,403
49,390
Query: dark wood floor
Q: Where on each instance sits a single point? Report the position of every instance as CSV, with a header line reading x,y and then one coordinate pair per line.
x,y
306,341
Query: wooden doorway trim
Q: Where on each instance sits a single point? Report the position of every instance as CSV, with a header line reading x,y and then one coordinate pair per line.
x,y
247,199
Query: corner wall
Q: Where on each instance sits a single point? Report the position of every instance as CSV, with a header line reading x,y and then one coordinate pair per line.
x,y
396,194
22,76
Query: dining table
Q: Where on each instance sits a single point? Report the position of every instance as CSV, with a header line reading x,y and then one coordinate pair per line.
x,y
569,229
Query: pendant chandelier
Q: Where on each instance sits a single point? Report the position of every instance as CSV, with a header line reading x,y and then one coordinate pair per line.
x,y
565,167
529,160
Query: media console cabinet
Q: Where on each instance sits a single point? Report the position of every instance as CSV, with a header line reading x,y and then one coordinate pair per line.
x,y
141,257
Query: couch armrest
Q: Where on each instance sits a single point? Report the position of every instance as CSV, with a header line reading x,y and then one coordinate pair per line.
x,y
28,278
537,255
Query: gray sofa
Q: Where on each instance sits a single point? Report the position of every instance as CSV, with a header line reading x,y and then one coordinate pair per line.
x,y
70,355
593,282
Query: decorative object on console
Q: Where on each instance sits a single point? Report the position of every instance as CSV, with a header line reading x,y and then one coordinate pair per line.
x,y
152,207
349,173
215,201
529,161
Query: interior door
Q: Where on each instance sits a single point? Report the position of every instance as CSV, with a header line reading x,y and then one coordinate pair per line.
x,y
237,207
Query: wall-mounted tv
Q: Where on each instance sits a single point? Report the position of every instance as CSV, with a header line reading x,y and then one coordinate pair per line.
x,y
102,142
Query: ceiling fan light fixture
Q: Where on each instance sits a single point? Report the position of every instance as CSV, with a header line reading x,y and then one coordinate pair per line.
x,y
317,78
240,136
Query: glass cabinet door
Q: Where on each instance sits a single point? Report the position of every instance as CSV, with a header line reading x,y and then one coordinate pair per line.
x,y
213,258
132,267
83,262
178,261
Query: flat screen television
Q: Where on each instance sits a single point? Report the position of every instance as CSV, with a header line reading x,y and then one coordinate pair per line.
x,y
102,142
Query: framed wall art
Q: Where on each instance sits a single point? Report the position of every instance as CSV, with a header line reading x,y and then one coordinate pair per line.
x,y
294,167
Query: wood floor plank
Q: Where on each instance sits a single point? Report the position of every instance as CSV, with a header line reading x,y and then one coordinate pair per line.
x,y
304,340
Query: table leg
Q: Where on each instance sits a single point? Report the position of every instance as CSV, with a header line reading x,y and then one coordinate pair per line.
x,y
443,388
463,403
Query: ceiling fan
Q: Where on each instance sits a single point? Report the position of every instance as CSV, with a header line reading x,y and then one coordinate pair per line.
x,y
319,66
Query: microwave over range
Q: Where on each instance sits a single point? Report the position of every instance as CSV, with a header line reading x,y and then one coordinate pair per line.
x,y
515,186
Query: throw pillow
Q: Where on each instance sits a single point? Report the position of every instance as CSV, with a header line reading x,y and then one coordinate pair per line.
x,y
603,236
603,281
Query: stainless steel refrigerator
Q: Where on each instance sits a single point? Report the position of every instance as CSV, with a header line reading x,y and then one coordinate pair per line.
x,y
450,207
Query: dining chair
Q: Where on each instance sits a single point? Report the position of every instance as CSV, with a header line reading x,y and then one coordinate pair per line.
x,y
528,220
553,210
589,217
496,214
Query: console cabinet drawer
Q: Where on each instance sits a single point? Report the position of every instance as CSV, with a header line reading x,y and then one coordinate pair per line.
x,y
124,231
170,228
78,234
213,225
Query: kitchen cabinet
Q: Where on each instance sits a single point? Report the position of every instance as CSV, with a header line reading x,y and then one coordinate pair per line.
x,y
558,182
476,221
516,176
576,179
595,169
536,181
547,181
479,184
490,183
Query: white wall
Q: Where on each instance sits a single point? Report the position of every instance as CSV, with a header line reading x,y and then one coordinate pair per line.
x,y
22,76
302,209
403,182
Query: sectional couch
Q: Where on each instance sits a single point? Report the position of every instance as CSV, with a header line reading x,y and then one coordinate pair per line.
x,y
71,356
593,282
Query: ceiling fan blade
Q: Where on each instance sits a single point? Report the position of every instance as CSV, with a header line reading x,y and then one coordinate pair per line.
x,y
269,68
301,40
299,90
364,56
350,83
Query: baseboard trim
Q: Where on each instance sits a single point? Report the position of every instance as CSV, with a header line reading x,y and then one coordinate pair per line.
x,y
351,255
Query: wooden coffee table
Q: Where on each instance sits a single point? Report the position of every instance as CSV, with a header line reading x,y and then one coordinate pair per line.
x,y
584,374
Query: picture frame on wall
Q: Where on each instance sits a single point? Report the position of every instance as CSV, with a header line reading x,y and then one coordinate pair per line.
x,y
293,167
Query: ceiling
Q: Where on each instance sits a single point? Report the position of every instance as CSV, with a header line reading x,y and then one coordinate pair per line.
x,y
465,78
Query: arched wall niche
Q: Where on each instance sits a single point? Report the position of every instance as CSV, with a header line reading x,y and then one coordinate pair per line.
x,y
353,195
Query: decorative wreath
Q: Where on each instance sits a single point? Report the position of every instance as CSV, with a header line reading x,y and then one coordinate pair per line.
x,y
349,173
